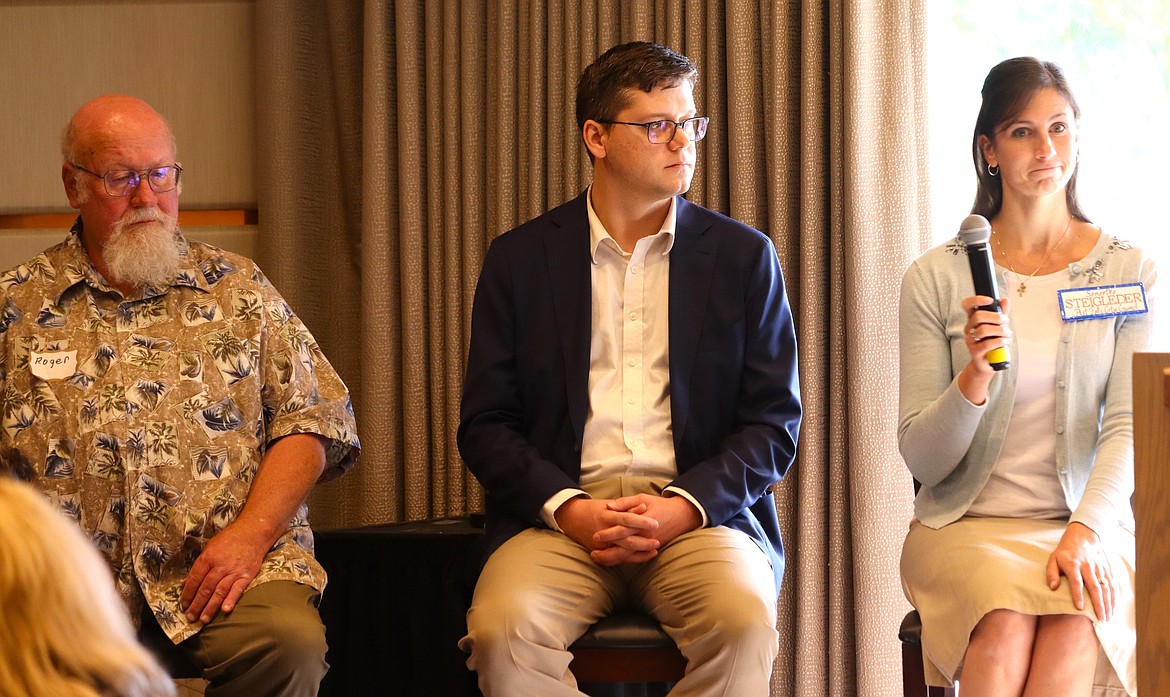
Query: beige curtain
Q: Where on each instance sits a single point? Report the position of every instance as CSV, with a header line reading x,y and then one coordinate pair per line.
x,y
397,139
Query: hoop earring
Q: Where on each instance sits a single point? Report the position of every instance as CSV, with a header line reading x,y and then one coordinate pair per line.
x,y
990,171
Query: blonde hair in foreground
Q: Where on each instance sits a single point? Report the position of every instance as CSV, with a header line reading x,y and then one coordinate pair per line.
x,y
65,631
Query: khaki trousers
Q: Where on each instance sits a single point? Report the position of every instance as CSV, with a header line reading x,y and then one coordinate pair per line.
x,y
272,644
711,589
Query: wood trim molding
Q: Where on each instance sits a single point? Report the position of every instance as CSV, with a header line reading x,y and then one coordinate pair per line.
x,y
1166,387
219,218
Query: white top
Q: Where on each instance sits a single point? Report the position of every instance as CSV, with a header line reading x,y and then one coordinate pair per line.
x,y
628,428
1024,482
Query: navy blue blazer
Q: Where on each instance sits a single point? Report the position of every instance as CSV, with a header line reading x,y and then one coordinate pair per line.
x,y
734,390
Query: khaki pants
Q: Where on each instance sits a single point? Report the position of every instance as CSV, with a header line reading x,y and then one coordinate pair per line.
x,y
712,590
272,643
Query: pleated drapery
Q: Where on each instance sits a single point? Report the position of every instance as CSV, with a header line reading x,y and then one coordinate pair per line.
x,y
398,138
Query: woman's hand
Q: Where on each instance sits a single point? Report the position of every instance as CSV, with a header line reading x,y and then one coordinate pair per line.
x,y
985,331
1080,556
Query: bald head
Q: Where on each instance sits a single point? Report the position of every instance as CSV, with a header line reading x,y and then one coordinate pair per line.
x,y
131,235
110,120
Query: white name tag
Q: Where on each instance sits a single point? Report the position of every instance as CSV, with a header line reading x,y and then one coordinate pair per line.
x,y
1102,301
55,365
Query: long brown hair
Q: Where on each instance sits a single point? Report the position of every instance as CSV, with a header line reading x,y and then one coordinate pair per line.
x,y
1006,91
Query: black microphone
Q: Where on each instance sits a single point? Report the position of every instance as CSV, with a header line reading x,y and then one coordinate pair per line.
x,y
975,232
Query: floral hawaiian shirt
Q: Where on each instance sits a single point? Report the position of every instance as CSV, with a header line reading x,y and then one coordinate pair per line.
x,y
145,419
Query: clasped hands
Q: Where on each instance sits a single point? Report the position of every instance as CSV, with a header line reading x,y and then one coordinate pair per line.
x,y
630,529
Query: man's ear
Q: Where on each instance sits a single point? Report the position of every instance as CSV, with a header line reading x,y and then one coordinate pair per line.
x,y
594,135
70,183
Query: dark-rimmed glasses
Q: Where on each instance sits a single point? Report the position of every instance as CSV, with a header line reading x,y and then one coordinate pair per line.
x,y
695,128
124,182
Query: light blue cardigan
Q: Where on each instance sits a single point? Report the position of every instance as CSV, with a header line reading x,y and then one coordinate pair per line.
x,y
951,445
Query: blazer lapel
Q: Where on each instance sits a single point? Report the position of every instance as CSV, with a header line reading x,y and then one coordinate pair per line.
x,y
692,261
567,255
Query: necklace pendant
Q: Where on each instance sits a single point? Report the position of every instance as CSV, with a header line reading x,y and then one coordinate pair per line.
x,y
1022,287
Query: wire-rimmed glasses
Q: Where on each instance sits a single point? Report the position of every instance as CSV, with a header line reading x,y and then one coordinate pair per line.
x,y
124,182
695,128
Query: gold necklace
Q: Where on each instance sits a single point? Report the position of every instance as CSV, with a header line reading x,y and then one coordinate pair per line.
x,y
1024,281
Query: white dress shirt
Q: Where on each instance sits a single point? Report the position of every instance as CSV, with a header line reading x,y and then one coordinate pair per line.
x,y
628,428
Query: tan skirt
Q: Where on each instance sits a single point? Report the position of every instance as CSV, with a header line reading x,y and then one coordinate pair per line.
x,y
955,575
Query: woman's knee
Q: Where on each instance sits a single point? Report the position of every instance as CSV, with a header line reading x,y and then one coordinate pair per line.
x,y
1072,632
1004,634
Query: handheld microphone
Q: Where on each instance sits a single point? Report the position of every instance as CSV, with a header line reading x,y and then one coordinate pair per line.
x,y
975,232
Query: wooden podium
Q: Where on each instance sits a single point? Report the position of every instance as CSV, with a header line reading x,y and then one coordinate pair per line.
x,y
1151,430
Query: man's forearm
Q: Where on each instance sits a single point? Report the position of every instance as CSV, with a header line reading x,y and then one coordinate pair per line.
x,y
286,475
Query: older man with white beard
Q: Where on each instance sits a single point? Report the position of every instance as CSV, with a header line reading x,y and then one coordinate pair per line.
x,y
163,394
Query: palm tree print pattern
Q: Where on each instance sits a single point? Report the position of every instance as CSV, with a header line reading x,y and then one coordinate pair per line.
x,y
210,463
152,558
146,393
200,311
230,355
105,458
162,444
246,306
220,418
152,445
191,366
108,534
100,361
155,501
14,277
148,352
17,414
51,316
43,401
142,315
216,268
59,461
9,314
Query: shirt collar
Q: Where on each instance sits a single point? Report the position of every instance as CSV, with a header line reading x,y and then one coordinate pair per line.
x,y
78,267
599,235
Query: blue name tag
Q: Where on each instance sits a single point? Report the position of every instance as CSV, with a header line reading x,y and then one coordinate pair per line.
x,y
1102,301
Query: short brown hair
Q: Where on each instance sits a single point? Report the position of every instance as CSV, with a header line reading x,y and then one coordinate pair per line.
x,y
602,89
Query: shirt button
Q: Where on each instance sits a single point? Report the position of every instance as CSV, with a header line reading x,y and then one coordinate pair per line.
x,y
1060,384
633,362
633,316
630,400
1060,429
634,269
1063,470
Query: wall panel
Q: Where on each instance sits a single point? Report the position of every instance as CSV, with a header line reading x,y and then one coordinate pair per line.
x,y
194,61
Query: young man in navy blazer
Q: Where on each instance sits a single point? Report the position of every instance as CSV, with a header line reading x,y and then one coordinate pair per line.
x,y
631,397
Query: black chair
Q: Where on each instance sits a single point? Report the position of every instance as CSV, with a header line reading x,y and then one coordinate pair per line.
x,y
626,647
178,663
913,675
